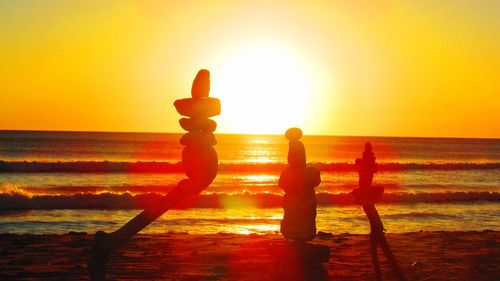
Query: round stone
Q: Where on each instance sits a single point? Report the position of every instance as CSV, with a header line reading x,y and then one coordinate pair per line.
x,y
198,124
299,178
200,163
198,138
293,134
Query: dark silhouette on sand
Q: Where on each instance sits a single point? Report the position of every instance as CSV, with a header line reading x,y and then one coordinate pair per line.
x,y
299,202
294,259
200,163
367,195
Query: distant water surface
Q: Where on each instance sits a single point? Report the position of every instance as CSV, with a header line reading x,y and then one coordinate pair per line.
x,y
430,183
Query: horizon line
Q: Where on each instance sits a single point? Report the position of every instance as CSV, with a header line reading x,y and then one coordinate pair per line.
x,y
254,134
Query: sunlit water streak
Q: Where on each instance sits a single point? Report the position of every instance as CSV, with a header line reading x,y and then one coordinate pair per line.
x,y
335,219
240,150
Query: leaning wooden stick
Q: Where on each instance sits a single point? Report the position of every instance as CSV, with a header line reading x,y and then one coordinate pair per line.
x,y
367,195
200,163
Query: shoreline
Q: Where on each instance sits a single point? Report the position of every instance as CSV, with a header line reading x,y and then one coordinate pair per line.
x,y
436,255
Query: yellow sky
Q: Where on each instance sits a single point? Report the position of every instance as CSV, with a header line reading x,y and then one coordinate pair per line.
x,y
391,68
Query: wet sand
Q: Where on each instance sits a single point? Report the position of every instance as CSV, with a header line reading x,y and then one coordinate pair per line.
x,y
422,256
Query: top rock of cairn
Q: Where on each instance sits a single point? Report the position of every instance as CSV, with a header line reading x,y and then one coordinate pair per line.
x,y
199,105
201,84
293,134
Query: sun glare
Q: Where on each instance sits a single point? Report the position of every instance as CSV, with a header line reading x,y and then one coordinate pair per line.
x,y
263,91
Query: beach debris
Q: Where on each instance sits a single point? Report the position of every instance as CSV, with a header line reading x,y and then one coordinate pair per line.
x,y
200,163
71,232
324,235
367,195
341,239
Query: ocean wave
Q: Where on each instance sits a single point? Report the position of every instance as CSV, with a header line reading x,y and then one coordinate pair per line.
x,y
245,167
19,201
423,215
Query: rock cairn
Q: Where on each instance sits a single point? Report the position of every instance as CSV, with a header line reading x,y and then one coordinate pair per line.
x,y
294,259
299,202
199,158
367,195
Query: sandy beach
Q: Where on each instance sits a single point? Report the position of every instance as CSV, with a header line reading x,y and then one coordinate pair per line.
x,y
422,255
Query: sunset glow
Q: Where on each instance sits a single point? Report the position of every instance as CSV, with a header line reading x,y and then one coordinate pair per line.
x,y
384,68
263,91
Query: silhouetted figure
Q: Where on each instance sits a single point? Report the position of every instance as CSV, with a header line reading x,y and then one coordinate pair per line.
x,y
367,195
294,259
200,163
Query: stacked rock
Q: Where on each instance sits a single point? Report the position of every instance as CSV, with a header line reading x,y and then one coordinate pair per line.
x,y
299,202
200,164
294,259
199,158
367,194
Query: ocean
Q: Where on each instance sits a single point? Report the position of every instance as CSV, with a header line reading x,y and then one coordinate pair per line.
x,y
56,182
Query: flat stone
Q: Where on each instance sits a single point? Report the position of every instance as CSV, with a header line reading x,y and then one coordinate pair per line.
x,y
201,84
293,134
200,163
199,107
198,138
198,124
299,177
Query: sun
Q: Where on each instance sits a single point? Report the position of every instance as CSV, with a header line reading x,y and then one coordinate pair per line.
x,y
263,90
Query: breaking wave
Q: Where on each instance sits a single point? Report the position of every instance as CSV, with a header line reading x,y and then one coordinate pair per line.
x,y
20,201
166,167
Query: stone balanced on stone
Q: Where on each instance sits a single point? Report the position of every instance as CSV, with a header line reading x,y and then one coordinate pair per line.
x,y
367,195
200,163
294,259
199,158
299,202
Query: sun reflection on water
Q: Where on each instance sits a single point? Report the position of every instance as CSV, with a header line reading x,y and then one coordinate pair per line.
x,y
259,178
254,229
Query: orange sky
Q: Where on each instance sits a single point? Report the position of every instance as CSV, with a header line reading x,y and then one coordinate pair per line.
x,y
391,68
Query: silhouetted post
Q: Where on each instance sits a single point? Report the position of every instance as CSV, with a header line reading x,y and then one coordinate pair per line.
x,y
367,195
294,259
200,163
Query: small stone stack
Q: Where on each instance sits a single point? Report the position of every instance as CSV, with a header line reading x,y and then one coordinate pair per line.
x,y
298,181
294,259
199,158
366,194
